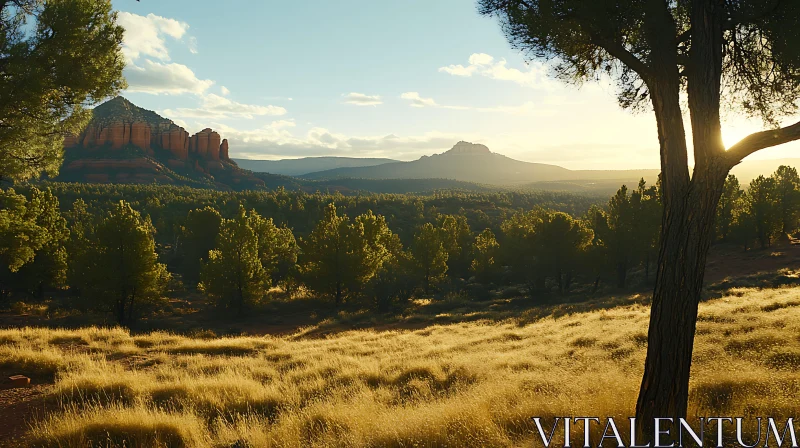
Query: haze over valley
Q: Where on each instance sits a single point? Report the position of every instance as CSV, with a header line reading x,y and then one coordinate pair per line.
x,y
125,143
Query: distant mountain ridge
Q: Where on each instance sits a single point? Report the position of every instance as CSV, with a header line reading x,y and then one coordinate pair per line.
x,y
307,165
469,162
124,143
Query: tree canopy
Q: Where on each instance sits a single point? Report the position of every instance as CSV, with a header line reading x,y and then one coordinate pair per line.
x,y
56,58
116,263
233,274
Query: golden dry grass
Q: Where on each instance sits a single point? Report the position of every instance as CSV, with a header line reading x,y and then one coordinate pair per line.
x,y
470,384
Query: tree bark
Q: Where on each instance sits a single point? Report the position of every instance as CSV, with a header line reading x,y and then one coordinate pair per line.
x,y
689,205
685,240
130,306
560,282
5,294
121,309
687,220
240,301
681,259
622,274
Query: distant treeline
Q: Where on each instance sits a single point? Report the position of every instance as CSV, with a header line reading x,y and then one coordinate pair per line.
x,y
757,216
117,247
168,206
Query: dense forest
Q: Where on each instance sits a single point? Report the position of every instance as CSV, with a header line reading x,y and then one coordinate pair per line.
x,y
115,248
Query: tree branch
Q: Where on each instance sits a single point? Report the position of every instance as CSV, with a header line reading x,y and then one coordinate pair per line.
x,y
684,37
761,140
768,9
619,51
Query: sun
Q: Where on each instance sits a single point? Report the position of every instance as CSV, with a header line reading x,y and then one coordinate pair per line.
x,y
734,131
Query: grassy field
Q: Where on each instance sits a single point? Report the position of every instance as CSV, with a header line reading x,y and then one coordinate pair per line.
x,y
471,384
463,384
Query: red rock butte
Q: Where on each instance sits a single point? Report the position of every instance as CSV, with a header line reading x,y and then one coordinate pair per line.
x,y
206,144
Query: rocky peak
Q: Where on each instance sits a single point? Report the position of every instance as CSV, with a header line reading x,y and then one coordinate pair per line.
x,y
463,147
120,109
201,159
118,122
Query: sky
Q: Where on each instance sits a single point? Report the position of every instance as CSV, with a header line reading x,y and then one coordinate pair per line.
x,y
366,78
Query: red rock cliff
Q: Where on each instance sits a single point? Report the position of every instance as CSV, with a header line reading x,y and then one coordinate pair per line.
x,y
223,150
207,143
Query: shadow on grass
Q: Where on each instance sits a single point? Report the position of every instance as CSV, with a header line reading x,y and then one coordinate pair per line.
x,y
309,317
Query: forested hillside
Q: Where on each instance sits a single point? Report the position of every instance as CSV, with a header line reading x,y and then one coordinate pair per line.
x,y
382,248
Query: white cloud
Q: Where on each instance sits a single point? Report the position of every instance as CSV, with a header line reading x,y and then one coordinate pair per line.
x,y
485,65
167,78
224,90
480,59
418,101
192,44
526,108
276,140
360,99
218,107
145,36
145,49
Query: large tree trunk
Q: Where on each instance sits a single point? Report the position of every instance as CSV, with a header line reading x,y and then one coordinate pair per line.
x,y
560,282
685,240
689,205
5,294
121,309
664,388
130,306
622,274
688,219
240,301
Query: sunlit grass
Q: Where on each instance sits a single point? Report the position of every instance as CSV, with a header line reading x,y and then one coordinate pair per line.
x,y
463,384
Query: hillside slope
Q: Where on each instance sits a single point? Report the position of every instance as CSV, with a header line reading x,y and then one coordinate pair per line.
x,y
469,162
306,165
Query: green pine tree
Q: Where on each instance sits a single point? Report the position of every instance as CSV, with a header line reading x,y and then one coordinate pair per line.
x,y
430,256
48,269
486,253
457,239
21,238
55,57
520,250
787,196
562,242
726,209
118,268
233,274
199,235
277,248
762,205
341,257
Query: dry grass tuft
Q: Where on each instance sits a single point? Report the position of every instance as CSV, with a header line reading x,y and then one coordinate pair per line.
x,y
469,384
135,427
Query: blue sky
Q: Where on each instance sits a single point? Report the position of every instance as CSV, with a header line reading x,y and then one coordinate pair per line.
x,y
366,78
